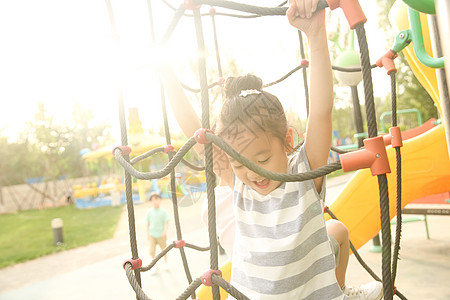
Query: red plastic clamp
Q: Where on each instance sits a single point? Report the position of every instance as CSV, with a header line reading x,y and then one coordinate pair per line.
x,y
206,277
221,81
305,63
325,208
168,148
126,150
374,156
135,263
387,61
394,137
200,137
352,11
189,4
212,11
394,290
179,244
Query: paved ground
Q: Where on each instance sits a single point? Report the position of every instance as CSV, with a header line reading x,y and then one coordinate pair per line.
x,y
95,272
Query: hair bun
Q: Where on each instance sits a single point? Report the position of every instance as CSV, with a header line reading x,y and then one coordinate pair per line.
x,y
235,85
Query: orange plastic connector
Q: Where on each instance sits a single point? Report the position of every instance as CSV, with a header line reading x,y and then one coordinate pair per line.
x,y
396,137
352,11
189,4
221,81
305,63
168,148
135,263
200,137
387,61
374,156
179,243
206,277
126,150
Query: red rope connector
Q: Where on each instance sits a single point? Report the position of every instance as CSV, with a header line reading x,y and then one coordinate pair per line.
x,y
212,11
126,150
221,81
206,277
387,61
374,156
394,137
325,209
179,244
168,148
135,263
352,11
394,290
200,136
189,4
305,63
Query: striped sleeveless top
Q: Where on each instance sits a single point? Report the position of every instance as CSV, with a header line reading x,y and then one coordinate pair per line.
x,y
281,247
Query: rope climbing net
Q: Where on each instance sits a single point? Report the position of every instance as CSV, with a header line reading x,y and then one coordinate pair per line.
x,y
374,151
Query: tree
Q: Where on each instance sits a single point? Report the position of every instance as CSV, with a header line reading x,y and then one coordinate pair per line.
x,y
410,93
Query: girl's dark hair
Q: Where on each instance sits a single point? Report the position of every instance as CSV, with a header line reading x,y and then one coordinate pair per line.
x,y
245,103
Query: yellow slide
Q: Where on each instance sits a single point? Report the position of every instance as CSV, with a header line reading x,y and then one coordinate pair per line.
x,y
425,171
425,165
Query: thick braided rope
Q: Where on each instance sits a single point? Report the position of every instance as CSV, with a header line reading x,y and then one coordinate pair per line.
x,y
173,189
283,177
156,174
128,190
386,237
305,77
228,287
124,141
285,76
258,10
398,227
146,154
190,290
176,18
360,260
209,173
367,80
216,45
382,180
134,284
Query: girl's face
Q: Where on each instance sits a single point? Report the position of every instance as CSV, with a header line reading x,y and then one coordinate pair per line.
x,y
264,150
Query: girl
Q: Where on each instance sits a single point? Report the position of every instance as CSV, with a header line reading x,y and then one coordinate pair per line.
x,y
281,246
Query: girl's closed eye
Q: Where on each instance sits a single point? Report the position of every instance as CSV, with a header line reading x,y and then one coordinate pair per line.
x,y
264,161
236,166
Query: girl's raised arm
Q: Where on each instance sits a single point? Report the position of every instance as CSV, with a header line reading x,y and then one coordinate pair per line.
x,y
319,127
189,121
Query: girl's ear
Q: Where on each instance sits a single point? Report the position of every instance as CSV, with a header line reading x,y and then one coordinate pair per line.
x,y
289,139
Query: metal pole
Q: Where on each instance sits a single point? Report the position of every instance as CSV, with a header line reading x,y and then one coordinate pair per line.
x,y
443,21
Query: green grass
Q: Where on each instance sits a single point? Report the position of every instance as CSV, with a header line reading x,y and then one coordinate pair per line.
x,y
28,234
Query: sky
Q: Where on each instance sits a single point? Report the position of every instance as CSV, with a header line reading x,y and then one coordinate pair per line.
x,y
60,52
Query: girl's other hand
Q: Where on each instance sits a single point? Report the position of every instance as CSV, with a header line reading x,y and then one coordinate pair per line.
x,y
301,14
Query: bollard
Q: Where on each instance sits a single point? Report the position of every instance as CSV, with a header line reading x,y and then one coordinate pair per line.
x,y
57,225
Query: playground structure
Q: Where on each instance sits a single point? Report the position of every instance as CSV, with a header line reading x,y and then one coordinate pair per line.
x,y
359,206
109,189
